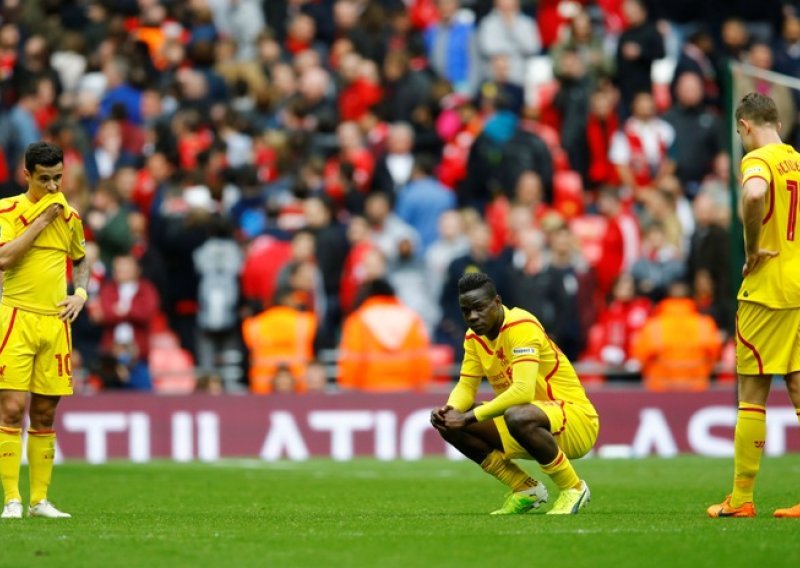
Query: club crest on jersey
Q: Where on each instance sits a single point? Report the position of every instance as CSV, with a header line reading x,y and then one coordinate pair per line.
x,y
501,355
524,351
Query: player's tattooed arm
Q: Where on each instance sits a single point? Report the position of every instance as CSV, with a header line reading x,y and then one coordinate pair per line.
x,y
72,305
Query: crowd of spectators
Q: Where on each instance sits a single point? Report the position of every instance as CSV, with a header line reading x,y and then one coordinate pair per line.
x,y
265,183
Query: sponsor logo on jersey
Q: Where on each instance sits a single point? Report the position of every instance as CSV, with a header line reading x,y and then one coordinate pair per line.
x,y
524,351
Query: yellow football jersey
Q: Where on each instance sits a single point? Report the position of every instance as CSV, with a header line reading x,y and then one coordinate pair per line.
x,y
776,281
522,364
38,282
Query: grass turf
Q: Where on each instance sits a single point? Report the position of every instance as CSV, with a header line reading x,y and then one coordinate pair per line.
x,y
404,514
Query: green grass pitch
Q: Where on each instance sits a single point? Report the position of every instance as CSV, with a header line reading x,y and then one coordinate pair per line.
x,y
367,513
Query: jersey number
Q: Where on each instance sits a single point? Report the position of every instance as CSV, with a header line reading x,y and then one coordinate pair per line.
x,y
792,187
64,364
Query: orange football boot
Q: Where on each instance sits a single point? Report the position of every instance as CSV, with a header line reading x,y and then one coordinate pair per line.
x,y
724,509
790,513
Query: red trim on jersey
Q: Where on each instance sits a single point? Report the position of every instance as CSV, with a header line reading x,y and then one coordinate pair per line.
x,y
482,342
557,461
24,220
513,323
771,190
564,423
750,347
558,360
8,331
470,376
524,360
13,206
759,410
69,339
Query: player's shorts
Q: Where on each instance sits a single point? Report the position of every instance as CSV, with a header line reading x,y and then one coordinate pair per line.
x,y
35,352
767,340
574,426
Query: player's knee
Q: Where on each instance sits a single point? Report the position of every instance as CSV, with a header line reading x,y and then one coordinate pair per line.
x,y
523,416
13,413
43,418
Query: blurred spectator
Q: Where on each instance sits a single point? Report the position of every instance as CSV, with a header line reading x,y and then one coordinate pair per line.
x,y
601,125
506,30
280,335
18,129
499,89
393,170
330,250
659,264
677,347
450,46
760,57
698,57
218,261
787,49
579,36
639,45
450,244
423,200
283,381
699,134
501,153
316,377
708,303
641,150
572,103
710,248
407,86
478,258
406,274
384,345
386,227
610,339
354,272
619,244
735,39
126,309
108,221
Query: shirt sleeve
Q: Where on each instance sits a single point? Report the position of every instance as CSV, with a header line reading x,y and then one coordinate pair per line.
x,y
7,231
527,340
463,394
755,167
77,247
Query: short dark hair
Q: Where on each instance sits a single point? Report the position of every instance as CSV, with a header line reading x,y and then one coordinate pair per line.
x,y
475,281
759,108
42,154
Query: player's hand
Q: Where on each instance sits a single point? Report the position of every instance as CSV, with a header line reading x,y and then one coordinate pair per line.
x,y
51,213
437,416
752,261
455,420
72,306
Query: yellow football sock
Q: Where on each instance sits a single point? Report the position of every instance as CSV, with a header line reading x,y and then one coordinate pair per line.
x,y
507,472
749,438
562,473
41,451
10,457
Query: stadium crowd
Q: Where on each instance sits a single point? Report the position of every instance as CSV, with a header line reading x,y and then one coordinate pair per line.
x,y
264,184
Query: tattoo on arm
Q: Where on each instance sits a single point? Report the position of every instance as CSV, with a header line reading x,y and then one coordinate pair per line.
x,y
80,274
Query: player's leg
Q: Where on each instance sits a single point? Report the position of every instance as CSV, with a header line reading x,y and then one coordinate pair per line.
x,y
482,443
41,446
793,387
16,364
12,410
532,427
761,351
52,379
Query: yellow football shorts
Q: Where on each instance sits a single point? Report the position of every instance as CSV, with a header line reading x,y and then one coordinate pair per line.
x,y
35,353
574,426
767,340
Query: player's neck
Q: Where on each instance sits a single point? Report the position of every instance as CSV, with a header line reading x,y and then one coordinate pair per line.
x,y
32,197
767,136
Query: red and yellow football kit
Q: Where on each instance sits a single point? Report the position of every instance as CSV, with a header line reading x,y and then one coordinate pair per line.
x,y
35,345
768,317
524,366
